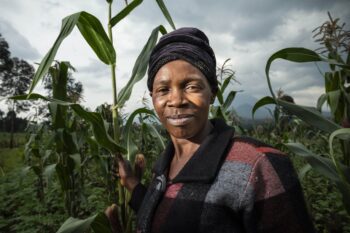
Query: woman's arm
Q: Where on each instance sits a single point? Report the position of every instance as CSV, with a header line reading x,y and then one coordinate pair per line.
x,y
274,201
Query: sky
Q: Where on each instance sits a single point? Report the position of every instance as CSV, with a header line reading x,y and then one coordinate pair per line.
x,y
246,31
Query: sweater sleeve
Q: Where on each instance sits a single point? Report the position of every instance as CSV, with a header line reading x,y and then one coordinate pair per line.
x,y
137,196
273,200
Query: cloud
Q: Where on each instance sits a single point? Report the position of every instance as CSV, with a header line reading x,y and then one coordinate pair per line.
x,y
248,32
19,46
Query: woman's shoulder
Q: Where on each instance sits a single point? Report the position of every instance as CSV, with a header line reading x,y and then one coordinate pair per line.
x,y
249,150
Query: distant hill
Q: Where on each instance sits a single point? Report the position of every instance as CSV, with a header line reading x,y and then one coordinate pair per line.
x,y
243,105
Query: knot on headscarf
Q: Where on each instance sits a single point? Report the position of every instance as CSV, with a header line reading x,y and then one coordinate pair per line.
x,y
189,44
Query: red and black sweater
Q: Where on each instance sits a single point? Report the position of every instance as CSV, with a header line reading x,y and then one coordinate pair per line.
x,y
231,184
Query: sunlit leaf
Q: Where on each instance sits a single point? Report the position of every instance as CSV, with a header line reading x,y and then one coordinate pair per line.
x,y
123,13
93,32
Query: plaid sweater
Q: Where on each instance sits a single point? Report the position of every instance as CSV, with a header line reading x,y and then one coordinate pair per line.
x,y
231,184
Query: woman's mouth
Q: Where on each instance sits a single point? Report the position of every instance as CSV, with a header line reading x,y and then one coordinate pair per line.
x,y
179,120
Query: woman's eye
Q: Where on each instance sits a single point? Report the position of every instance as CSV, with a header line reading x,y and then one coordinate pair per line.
x,y
193,87
162,90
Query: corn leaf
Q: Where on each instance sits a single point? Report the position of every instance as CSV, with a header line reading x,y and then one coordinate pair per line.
x,y
94,118
297,55
127,130
310,115
98,222
93,32
140,66
123,13
166,13
322,165
262,102
321,100
290,54
229,99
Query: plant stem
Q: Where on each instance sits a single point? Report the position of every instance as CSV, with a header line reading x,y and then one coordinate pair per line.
x,y
116,132
114,83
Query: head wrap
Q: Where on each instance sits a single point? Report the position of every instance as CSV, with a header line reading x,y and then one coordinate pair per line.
x,y
189,44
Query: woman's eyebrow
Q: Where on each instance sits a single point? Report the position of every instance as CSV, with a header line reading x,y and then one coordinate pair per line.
x,y
161,82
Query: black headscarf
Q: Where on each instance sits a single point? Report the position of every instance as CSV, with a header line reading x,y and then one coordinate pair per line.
x,y
189,44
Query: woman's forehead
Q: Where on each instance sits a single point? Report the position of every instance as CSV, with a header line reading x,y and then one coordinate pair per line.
x,y
187,73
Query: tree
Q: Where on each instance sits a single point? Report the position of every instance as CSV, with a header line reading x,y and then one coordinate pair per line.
x,y
15,77
5,60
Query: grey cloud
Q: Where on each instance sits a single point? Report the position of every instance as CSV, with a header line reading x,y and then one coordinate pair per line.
x,y
19,45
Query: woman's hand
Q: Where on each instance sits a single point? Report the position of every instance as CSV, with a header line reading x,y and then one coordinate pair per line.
x,y
127,178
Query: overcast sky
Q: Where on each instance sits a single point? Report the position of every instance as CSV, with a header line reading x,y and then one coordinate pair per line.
x,y
247,31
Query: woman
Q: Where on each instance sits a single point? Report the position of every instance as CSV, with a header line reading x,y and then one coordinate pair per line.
x,y
208,180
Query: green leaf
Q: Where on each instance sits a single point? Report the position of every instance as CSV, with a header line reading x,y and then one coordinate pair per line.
x,y
302,172
220,97
160,138
123,13
140,66
95,119
297,55
290,54
229,99
166,13
73,225
49,170
93,32
322,165
98,222
68,24
226,82
101,224
343,171
321,100
127,130
262,102
63,177
77,160
334,97
309,115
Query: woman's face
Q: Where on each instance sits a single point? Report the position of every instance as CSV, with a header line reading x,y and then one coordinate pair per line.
x,y
181,97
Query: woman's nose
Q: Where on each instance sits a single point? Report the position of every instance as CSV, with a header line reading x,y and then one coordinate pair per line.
x,y
176,98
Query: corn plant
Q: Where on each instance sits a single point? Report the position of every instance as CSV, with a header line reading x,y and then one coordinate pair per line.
x,y
225,96
337,96
102,44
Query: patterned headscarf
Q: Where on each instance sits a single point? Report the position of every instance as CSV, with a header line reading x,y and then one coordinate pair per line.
x,y
189,44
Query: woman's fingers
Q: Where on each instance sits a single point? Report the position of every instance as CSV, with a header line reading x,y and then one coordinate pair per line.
x,y
112,214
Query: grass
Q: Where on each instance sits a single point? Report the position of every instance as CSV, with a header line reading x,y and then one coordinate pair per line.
x,y
19,139
10,159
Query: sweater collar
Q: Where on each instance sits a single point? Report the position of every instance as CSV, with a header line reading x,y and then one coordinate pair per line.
x,y
206,161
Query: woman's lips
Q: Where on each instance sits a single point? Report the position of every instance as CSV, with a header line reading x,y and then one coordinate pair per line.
x,y
179,120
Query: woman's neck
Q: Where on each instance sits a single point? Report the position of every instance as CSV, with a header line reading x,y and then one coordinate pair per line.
x,y
185,148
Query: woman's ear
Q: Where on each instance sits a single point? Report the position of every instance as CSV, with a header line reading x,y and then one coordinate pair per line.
x,y
150,93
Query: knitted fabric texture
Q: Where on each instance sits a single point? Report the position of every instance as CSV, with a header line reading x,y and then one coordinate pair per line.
x,y
189,44
237,185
